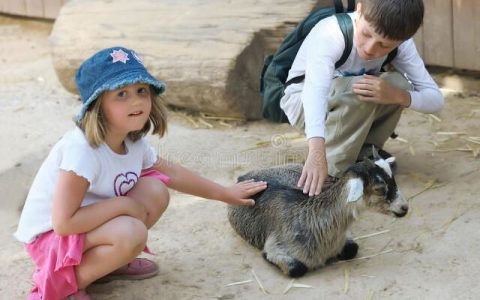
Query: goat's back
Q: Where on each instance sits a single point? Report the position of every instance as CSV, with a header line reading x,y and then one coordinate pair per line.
x,y
273,206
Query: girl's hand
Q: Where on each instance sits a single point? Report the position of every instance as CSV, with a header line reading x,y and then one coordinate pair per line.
x,y
238,194
377,90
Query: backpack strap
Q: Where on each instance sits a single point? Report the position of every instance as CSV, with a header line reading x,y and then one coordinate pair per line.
x,y
351,5
346,26
338,6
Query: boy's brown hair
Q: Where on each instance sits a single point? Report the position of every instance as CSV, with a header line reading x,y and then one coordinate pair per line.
x,y
394,19
94,124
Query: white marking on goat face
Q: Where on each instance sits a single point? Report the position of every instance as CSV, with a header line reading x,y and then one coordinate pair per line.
x,y
384,164
355,189
399,206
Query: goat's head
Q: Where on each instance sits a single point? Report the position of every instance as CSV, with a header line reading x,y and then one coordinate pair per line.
x,y
380,189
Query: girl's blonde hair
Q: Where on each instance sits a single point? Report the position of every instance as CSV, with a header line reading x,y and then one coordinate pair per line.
x,y
94,123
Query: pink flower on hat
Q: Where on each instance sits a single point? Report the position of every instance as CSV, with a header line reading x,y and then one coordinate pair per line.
x,y
119,55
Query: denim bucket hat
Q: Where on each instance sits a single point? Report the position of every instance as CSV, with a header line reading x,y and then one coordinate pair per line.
x,y
108,70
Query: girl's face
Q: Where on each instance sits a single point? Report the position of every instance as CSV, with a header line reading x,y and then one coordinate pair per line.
x,y
127,109
370,45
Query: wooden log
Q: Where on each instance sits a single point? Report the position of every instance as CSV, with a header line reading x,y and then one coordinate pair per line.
x,y
209,52
34,8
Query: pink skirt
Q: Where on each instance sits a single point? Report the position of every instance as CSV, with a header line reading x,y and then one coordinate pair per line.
x,y
155,174
55,258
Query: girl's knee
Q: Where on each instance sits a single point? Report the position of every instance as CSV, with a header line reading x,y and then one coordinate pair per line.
x,y
161,195
130,234
155,191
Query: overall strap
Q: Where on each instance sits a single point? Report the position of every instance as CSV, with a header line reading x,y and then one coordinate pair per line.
x,y
390,57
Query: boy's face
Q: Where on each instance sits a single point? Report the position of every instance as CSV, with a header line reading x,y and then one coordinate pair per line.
x,y
370,45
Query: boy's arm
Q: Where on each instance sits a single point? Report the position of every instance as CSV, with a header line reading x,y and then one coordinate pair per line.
x,y
426,97
324,46
185,181
315,169
68,217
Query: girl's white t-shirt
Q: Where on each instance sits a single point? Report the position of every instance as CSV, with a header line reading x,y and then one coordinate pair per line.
x,y
324,46
109,174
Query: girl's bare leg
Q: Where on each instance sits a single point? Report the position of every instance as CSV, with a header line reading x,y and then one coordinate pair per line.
x,y
117,242
109,247
154,195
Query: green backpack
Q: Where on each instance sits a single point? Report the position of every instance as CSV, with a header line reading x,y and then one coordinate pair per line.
x,y
276,66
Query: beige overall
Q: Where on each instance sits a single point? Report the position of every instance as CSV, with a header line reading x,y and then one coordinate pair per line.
x,y
350,123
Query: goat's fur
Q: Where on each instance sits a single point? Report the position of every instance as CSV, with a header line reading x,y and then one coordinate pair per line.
x,y
298,233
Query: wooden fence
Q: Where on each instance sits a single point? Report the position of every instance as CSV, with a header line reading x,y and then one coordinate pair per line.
x,y
47,9
450,36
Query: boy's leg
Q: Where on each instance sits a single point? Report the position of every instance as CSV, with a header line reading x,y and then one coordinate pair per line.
x,y
352,123
347,126
292,106
387,116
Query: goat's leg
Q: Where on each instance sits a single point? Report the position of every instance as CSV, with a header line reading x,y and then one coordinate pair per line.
x,y
276,252
349,250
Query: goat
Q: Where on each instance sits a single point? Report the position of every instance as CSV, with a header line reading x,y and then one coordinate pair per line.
x,y
299,233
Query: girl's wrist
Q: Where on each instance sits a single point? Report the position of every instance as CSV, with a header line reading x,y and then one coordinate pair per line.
x,y
222,194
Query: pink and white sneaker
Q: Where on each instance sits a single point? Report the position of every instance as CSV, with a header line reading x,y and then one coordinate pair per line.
x,y
139,268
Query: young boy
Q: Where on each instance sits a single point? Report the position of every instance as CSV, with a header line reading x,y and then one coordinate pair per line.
x,y
342,110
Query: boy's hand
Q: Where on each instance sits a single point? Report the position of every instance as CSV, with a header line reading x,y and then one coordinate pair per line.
x,y
377,90
238,193
314,171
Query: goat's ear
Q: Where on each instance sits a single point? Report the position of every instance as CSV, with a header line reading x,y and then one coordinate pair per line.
x,y
390,160
368,161
355,189
376,156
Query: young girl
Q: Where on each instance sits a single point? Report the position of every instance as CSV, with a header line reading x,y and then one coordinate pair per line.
x,y
102,186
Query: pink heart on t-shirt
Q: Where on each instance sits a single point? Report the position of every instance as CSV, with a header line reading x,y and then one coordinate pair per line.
x,y
123,183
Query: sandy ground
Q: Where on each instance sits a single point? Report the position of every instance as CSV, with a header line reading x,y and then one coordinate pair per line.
x,y
429,254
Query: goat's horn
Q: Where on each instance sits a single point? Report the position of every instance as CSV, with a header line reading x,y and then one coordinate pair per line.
x,y
376,156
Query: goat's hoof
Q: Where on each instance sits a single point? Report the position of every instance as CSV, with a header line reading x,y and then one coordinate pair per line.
x,y
349,251
297,269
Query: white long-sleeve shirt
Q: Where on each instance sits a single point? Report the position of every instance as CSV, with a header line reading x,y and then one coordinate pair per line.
x,y
324,46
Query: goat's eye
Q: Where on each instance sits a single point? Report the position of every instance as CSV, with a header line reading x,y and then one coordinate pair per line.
x,y
380,189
